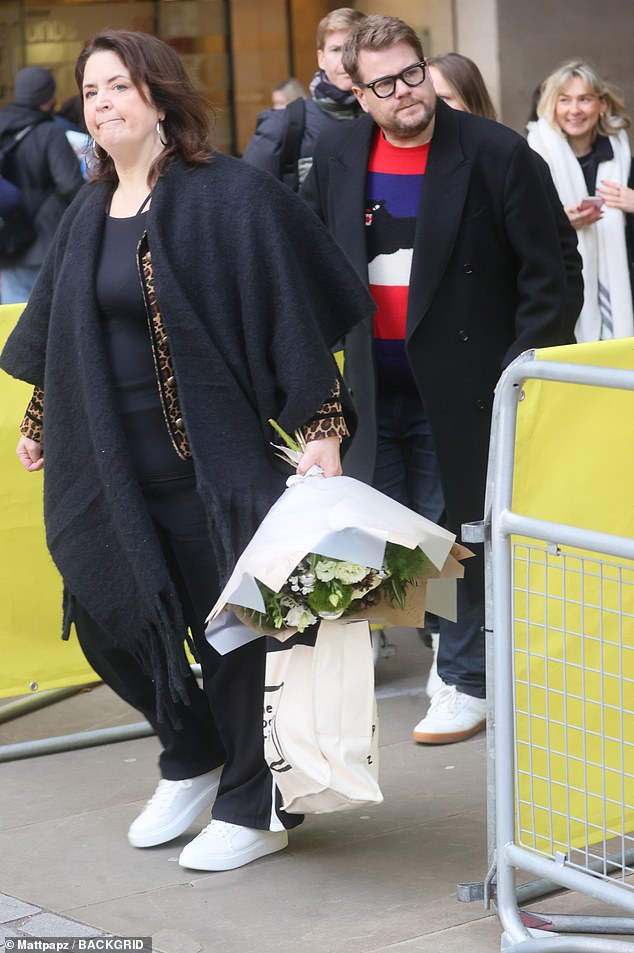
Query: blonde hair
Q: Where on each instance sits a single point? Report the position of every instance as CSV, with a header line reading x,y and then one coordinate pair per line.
x,y
344,18
291,88
611,121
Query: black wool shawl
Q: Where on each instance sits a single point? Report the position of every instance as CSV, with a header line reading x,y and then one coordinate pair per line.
x,y
253,292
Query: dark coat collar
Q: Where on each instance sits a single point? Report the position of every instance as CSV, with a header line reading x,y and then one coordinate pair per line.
x,y
443,204
449,172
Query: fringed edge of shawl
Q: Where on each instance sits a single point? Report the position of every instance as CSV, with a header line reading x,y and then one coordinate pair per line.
x,y
158,648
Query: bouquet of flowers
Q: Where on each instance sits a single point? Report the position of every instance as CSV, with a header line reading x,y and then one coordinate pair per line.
x,y
337,548
321,587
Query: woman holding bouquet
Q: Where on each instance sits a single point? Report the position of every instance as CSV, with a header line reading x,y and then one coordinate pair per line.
x,y
188,298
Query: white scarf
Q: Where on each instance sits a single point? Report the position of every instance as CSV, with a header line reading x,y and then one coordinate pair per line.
x,y
601,245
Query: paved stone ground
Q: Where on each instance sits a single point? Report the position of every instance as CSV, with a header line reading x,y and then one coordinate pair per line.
x,y
372,881
20,919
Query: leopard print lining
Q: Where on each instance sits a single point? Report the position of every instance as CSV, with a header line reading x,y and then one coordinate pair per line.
x,y
33,424
329,420
163,360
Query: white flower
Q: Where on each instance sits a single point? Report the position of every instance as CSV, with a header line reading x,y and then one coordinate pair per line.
x,y
351,572
300,618
308,583
326,569
348,573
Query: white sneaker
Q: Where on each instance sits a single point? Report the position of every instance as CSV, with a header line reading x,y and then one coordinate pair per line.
x,y
434,681
452,716
223,846
172,808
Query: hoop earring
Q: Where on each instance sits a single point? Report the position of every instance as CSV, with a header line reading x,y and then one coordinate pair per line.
x,y
158,133
94,147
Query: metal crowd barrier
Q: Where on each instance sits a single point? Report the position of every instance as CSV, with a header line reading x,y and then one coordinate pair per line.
x,y
560,655
70,742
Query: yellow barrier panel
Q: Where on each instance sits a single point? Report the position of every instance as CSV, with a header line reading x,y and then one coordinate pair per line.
x,y
574,611
33,655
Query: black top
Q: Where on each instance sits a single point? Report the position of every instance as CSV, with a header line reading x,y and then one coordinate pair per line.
x,y
602,151
129,351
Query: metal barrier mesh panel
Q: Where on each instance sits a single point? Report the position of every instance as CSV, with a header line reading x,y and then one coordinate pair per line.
x,y
573,627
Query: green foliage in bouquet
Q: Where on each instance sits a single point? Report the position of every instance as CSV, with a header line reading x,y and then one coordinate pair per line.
x,y
323,588
405,566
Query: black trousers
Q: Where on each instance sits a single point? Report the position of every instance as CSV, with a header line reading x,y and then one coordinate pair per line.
x,y
407,470
222,722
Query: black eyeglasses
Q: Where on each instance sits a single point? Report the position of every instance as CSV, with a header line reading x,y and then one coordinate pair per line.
x,y
385,86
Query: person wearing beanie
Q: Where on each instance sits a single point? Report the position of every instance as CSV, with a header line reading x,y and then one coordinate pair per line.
x,y
44,167
34,87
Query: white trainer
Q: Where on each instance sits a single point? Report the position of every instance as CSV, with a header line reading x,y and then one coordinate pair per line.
x,y
223,846
434,681
452,716
172,808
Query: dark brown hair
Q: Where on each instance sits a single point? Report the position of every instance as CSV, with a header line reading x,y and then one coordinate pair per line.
x,y
152,63
467,81
377,32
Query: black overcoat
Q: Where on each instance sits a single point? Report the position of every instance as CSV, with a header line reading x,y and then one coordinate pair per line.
x,y
488,281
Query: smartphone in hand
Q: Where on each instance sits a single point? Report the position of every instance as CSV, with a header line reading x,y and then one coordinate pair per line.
x,y
591,201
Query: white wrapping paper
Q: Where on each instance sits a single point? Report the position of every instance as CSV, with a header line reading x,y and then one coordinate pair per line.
x,y
341,518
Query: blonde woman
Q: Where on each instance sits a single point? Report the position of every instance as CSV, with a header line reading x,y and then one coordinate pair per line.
x,y
581,133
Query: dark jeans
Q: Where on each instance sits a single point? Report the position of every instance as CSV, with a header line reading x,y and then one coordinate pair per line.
x,y
406,469
222,724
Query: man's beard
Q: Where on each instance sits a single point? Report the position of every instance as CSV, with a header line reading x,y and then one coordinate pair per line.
x,y
405,130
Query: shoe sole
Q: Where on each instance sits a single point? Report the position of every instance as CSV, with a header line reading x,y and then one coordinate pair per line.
x,y
241,858
447,738
180,824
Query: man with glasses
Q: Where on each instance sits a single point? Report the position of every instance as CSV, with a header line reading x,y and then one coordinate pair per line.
x,y
447,219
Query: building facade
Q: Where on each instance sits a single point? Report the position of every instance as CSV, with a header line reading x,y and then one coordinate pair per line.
x,y
236,50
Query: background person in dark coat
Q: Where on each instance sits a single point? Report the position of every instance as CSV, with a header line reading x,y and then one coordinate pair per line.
x,y
445,216
273,147
43,166
459,83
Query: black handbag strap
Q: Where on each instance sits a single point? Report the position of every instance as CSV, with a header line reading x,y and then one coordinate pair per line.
x,y
6,151
291,144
